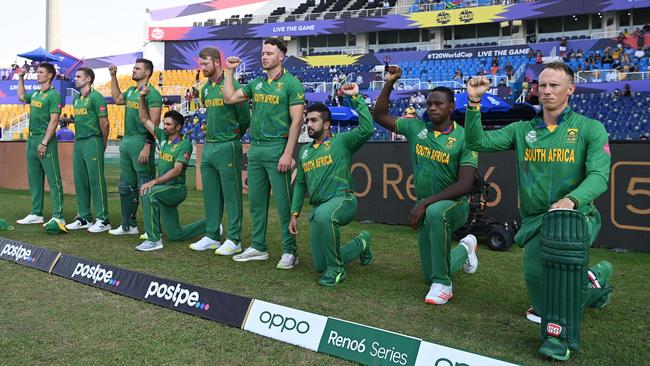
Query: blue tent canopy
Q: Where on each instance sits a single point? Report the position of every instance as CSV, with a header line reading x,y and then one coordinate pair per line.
x,y
489,103
40,54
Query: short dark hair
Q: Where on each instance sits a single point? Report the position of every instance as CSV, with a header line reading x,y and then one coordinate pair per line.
x,y
277,42
321,108
446,91
176,117
49,68
148,65
560,66
211,52
89,72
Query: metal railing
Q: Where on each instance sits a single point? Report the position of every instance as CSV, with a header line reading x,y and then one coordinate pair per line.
x,y
599,76
605,34
511,42
401,84
16,127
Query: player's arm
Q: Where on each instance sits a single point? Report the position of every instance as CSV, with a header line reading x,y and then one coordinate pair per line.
x,y
230,94
168,176
243,116
597,164
296,96
22,95
381,113
475,138
455,190
102,112
143,109
105,127
118,98
355,138
298,199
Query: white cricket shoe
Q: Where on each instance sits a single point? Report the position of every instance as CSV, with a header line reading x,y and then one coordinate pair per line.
x,y
149,246
287,261
532,316
228,248
439,294
30,219
471,263
120,231
251,254
204,244
99,226
78,223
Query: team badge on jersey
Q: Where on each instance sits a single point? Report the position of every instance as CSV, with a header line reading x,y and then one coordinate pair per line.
x,y
450,142
278,86
423,134
531,137
304,154
572,135
258,86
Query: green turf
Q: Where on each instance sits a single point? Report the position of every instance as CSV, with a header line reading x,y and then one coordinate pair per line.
x,y
50,320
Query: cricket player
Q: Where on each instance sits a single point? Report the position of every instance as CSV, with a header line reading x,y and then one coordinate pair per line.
x,y
92,129
324,171
42,147
277,115
136,149
443,175
221,159
162,195
563,165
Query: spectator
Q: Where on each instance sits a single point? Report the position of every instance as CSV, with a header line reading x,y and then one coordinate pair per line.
x,y
195,98
197,78
430,84
160,81
607,58
531,54
458,75
627,92
617,92
509,70
538,57
410,112
646,28
64,134
534,93
420,99
413,99
563,44
378,76
617,52
579,54
400,86
386,4
494,69
634,68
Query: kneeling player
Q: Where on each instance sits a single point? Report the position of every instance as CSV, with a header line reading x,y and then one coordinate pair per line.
x,y
324,172
443,174
162,195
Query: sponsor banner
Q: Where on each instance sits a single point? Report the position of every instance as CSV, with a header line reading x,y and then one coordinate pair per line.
x,y
431,354
206,303
467,53
285,324
9,88
27,255
368,345
379,20
185,55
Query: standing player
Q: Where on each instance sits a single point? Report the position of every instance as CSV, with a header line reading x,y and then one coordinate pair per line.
x,y
136,149
42,147
324,171
563,162
443,174
162,195
221,164
92,128
278,105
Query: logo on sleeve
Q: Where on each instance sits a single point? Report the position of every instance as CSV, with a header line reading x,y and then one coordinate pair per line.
x,y
102,109
607,150
187,156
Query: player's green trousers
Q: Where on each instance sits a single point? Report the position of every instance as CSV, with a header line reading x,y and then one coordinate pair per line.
x,y
38,169
161,204
532,253
263,176
221,169
89,178
437,258
132,176
325,221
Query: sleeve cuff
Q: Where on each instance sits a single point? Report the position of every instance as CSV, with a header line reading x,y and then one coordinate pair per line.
x,y
473,108
575,201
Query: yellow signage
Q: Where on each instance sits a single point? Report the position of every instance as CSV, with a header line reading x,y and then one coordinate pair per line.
x,y
483,14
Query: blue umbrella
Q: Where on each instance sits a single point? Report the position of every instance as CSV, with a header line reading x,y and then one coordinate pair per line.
x,y
489,103
40,54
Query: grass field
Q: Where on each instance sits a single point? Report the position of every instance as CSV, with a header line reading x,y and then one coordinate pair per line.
x,y
49,320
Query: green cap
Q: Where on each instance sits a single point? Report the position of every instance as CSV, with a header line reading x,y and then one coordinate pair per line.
x,y
55,227
4,225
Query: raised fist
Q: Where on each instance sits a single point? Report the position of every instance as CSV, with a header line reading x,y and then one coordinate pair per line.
x,y
233,62
22,71
113,70
350,89
477,86
394,73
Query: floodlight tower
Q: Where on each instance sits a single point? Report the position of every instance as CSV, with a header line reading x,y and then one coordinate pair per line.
x,y
53,24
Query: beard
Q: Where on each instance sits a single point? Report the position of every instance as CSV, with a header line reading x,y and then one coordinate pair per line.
x,y
315,134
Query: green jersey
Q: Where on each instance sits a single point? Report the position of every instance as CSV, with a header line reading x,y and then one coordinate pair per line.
x,y
87,111
226,122
271,101
570,160
132,125
171,152
436,156
41,105
325,169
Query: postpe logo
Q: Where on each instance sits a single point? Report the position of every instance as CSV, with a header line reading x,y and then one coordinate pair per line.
x,y
18,253
95,274
283,323
177,294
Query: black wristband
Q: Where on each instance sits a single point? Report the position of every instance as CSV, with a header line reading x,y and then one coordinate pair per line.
x,y
43,144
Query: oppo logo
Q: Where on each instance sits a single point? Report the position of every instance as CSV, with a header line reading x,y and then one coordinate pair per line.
x,y
283,323
18,253
95,274
446,362
177,294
